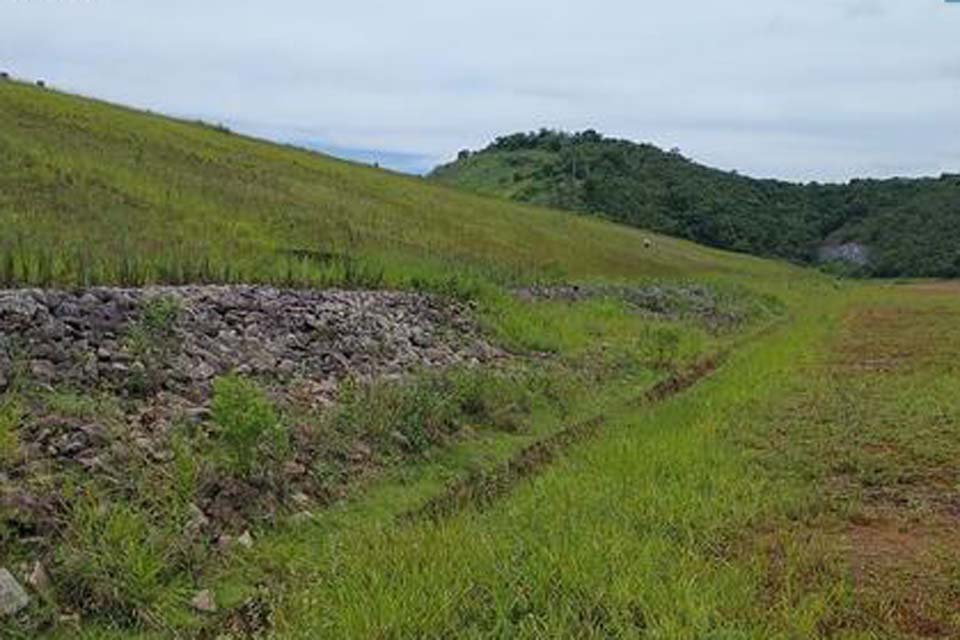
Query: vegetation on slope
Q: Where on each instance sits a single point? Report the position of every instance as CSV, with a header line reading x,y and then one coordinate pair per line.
x,y
912,227
93,193
729,511
807,490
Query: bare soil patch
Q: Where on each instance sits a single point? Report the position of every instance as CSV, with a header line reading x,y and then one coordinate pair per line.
x,y
888,419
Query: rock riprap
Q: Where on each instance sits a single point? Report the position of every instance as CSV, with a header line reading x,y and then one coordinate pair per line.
x,y
177,339
671,301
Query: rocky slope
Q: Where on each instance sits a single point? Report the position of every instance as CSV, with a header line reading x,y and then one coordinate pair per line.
x,y
113,391
177,339
96,381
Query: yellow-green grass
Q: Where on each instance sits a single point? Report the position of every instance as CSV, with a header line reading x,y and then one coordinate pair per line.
x,y
717,514
765,503
91,192
604,355
633,534
630,535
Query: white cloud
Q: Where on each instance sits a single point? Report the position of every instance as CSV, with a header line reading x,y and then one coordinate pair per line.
x,y
821,89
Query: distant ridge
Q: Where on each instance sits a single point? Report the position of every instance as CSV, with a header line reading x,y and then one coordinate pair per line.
x,y
894,227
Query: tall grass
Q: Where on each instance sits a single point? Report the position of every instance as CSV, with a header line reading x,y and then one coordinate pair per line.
x,y
608,542
96,194
625,537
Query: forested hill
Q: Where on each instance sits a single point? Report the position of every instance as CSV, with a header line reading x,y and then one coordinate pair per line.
x,y
907,226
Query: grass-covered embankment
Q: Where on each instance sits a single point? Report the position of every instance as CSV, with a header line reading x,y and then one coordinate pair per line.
x,y
631,534
94,193
128,552
807,490
91,193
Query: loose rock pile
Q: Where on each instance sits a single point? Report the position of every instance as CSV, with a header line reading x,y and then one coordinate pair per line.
x,y
300,343
86,339
141,362
696,301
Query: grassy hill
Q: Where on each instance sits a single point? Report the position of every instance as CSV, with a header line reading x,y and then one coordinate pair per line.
x,y
911,227
91,192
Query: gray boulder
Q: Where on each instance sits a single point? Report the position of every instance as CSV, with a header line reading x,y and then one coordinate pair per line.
x,y
12,596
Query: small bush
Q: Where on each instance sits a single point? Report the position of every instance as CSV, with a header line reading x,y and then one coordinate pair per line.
x,y
159,316
664,347
10,415
248,422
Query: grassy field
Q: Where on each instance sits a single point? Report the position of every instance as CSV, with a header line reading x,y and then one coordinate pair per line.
x,y
805,488
630,535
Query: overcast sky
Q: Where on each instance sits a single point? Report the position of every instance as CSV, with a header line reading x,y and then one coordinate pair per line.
x,y
798,89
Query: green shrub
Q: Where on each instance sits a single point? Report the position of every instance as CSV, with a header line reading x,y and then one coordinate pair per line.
x,y
159,315
664,346
10,415
249,425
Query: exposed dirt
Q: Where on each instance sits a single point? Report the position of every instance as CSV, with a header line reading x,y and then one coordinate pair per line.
x,y
899,565
890,339
945,287
897,462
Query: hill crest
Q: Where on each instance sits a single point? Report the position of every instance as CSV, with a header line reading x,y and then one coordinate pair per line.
x,y
908,226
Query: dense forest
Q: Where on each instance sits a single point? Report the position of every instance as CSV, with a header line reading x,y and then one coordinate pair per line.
x,y
910,227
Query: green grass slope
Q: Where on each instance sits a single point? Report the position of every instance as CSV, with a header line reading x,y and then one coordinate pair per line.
x,y
911,227
91,192
95,193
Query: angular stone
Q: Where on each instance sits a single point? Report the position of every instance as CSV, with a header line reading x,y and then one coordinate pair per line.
x,y
43,370
245,540
13,598
198,520
196,415
294,469
301,499
202,371
38,578
204,602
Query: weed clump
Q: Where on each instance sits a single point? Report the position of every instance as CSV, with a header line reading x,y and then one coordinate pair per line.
x,y
10,415
151,341
426,410
250,428
117,561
